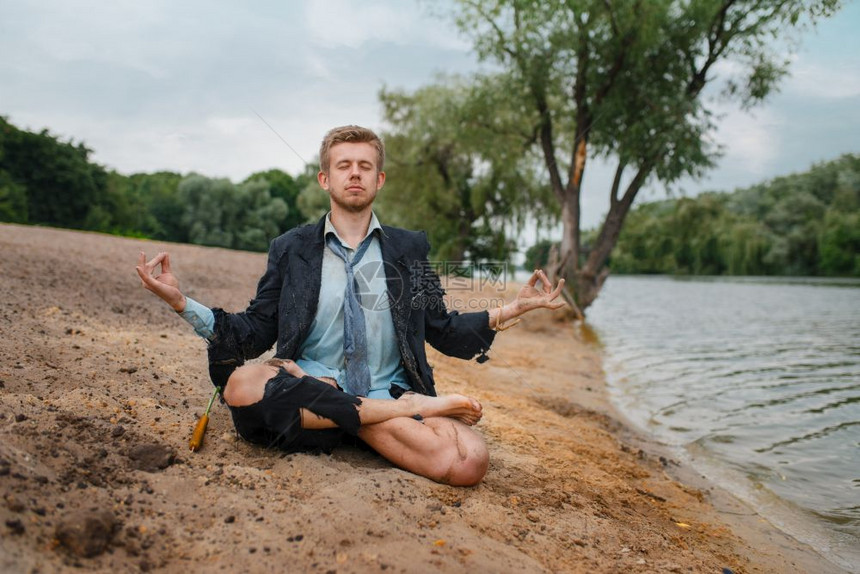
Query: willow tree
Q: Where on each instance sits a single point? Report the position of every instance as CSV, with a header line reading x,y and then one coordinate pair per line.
x,y
625,81
452,173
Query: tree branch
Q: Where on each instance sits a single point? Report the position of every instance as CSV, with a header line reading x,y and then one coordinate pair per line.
x,y
499,33
612,21
546,142
620,58
720,36
583,114
616,182
614,222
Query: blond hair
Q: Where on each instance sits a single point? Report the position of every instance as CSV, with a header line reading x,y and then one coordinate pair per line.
x,y
350,134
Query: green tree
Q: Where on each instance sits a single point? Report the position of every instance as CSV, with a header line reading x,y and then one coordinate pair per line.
x,y
313,201
646,244
839,244
158,208
745,245
222,214
537,256
262,216
625,81
61,184
800,224
117,210
694,235
13,200
468,186
288,188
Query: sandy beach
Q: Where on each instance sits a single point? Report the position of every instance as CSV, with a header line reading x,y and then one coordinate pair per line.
x,y
101,385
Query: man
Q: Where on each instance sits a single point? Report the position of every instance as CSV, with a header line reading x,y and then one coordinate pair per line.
x,y
346,363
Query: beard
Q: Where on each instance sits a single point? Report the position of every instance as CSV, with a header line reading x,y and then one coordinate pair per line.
x,y
353,203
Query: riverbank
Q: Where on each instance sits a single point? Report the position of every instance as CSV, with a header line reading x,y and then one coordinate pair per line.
x,y
753,381
99,378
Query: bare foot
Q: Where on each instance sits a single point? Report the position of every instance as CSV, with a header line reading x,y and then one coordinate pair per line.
x,y
459,407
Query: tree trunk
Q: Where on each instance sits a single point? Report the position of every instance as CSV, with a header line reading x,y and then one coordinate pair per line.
x,y
564,262
585,283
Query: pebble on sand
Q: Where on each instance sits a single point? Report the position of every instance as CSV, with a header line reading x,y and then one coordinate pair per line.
x,y
87,533
151,457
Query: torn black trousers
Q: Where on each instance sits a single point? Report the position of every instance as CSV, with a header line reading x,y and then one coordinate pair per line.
x,y
276,421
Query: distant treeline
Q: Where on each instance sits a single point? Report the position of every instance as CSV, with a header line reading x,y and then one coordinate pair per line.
x,y
46,181
802,224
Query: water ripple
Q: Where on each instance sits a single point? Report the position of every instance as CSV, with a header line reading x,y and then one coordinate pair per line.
x,y
761,375
811,436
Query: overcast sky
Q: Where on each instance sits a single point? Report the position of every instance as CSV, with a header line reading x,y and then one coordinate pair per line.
x,y
182,86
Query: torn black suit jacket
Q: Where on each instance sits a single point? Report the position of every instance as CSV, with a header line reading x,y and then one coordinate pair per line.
x,y
286,302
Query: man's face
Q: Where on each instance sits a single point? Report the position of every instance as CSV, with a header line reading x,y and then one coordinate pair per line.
x,y
353,178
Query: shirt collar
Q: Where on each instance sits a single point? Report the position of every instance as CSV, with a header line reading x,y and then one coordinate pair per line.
x,y
329,228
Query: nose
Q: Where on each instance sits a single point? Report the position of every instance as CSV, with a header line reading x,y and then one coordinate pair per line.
x,y
354,171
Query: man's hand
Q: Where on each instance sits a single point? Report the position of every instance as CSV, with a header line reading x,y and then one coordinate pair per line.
x,y
528,299
165,284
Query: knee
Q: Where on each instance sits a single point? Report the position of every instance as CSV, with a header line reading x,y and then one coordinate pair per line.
x,y
472,461
247,384
476,465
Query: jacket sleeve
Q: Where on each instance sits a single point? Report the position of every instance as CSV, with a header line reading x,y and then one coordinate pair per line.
x,y
461,335
250,333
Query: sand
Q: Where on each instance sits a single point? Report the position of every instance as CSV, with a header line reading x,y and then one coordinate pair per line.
x,y
101,385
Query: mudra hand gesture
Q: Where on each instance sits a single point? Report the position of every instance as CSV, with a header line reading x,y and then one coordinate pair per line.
x,y
165,284
528,299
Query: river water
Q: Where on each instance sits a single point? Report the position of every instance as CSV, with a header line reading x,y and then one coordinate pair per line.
x,y
756,383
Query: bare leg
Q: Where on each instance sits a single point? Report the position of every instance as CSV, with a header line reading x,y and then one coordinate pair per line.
x,y
247,384
442,447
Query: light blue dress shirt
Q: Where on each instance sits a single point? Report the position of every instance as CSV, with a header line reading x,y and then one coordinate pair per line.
x,y
321,354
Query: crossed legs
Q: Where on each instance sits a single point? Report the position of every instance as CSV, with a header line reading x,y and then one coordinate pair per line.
x,y
442,446
441,449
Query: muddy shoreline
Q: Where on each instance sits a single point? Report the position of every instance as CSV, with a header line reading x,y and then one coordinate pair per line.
x,y
101,384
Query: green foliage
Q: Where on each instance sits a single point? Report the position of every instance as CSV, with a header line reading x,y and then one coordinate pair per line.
x,y
158,208
803,224
13,200
625,81
222,214
47,181
62,186
839,244
313,201
288,188
455,170
537,255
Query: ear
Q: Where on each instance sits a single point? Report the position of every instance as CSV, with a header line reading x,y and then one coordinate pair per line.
x,y
380,180
322,179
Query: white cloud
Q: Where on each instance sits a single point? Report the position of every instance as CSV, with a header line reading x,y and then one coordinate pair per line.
x,y
317,67
809,79
93,31
345,23
166,85
232,126
748,139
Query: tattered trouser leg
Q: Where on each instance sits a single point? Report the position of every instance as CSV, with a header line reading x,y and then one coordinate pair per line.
x,y
275,421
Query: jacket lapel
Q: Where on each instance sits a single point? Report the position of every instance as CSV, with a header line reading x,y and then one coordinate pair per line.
x,y
306,278
397,275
